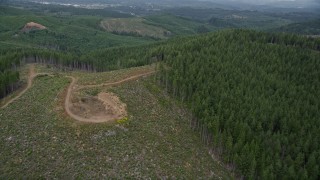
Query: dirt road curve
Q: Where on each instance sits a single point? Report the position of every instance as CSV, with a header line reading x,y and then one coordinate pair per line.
x,y
32,74
117,82
68,103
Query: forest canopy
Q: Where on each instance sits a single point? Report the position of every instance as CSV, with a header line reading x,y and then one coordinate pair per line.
x,y
254,96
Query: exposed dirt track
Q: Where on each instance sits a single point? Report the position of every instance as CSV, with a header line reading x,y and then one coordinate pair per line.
x,y
117,82
68,105
110,101
32,74
111,108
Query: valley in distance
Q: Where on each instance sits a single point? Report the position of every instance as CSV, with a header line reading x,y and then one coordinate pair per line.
x,y
145,89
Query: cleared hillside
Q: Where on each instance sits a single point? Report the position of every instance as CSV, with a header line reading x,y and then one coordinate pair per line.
x,y
134,27
38,139
251,98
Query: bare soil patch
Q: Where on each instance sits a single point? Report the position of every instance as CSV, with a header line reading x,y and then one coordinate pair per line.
x,y
32,26
113,104
105,107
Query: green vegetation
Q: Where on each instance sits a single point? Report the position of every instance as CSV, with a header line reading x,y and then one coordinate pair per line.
x,y
221,18
37,140
123,121
248,22
255,98
176,25
305,28
8,74
134,27
78,34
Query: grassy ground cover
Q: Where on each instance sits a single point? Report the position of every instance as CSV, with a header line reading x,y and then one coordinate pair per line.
x,y
39,140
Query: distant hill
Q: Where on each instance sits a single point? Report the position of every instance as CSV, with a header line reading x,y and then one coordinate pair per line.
x,y
306,28
254,96
134,27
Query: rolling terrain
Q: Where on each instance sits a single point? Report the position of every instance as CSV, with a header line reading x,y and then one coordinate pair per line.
x,y
304,28
63,33
48,143
168,93
134,27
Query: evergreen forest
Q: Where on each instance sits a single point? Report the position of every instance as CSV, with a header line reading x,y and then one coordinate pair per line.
x,y
253,92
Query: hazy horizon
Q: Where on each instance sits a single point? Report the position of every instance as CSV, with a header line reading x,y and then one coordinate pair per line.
x,y
227,4
219,1
263,1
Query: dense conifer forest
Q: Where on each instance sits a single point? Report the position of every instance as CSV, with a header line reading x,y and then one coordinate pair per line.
x,y
97,61
254,97
9,77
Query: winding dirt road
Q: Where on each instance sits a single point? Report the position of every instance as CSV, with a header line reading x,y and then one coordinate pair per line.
x,y
117,82
32,74
68,103
71,88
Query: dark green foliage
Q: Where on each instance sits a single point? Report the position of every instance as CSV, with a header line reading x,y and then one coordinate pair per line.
x,y
5,10
8,74
220,22
64,43
176,25
222,18
307,28
77,34
99,60
59,9
8,80
255,96
117,58
135,34
203,29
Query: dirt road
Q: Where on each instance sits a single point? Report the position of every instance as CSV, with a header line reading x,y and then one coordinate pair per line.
x,y
117,82
68,103
32,74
